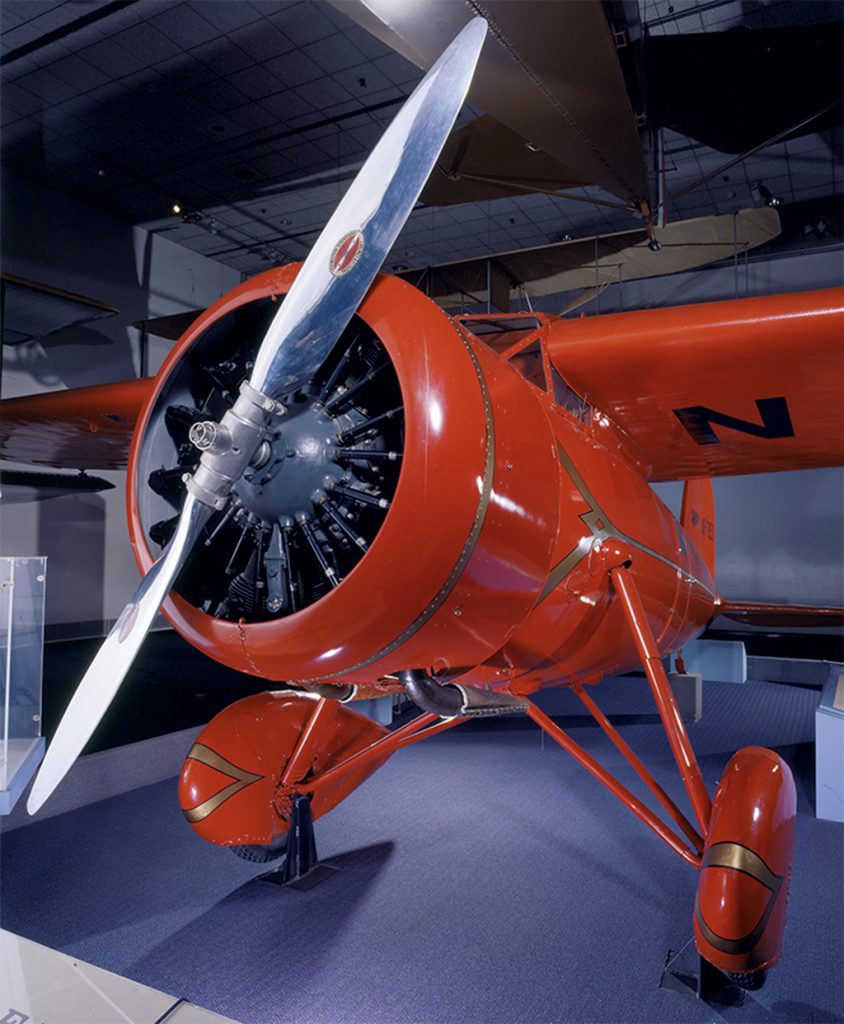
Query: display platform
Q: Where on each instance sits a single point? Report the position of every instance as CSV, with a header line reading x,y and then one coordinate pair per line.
x,y
482,879
22,595
38,984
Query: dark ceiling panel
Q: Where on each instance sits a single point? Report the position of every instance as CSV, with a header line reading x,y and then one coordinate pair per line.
x,y
261,112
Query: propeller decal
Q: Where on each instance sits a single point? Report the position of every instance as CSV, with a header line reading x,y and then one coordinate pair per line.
x,y
346,253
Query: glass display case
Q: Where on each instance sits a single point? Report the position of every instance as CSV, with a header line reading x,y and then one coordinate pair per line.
x,y
22,582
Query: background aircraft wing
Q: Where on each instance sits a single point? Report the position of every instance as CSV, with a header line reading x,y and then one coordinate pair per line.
x,y
723,388
597,261
549,71
34,310
82,428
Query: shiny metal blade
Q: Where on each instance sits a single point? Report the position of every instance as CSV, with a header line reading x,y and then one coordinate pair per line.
x,y
349,252
114,658
327,291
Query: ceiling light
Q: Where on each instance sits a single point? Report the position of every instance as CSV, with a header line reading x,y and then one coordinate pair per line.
x,y
762,194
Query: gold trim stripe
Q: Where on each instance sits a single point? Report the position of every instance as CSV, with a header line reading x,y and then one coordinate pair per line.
x,y
242,778
601,528
740,858
471,541
735,857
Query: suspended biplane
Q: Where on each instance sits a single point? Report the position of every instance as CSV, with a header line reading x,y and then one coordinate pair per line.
x,y
335,485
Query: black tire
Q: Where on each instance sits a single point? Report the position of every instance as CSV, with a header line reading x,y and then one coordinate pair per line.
x,y
258,853
749,982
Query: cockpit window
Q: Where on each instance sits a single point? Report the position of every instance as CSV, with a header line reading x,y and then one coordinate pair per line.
x,y
569,399
501,333
528,361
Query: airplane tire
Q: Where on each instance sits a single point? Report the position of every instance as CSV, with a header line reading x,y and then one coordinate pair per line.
x,y
258,853
749,982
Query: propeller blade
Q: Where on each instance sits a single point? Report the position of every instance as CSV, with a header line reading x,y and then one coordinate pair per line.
x,y
114,659
353,245
324,297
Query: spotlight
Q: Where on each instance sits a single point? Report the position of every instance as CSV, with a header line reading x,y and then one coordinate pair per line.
x,y
176,208
762,194
818,229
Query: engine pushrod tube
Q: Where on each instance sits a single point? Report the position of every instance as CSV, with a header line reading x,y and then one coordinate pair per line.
x,y
361,428
342,363
641,811
364,455
288,568
343,396
643,773
329,507
230,511
363,497
230,566
313,543
672,721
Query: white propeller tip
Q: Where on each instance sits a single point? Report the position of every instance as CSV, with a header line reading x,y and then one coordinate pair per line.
x,y
36,801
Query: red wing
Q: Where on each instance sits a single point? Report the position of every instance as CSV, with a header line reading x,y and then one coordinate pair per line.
x,y
84,428
749,386
782,615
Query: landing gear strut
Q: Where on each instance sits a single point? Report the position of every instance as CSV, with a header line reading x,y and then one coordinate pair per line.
x,y
301,868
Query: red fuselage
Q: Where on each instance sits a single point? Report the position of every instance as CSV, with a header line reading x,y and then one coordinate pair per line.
x,y
491,564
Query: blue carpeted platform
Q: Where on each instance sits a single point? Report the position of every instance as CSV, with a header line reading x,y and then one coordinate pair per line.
x,y
484,879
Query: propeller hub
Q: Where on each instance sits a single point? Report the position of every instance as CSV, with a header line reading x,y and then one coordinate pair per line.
x,y
209,436
293,464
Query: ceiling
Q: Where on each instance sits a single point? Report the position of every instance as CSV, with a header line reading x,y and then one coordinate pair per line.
x,y
255,115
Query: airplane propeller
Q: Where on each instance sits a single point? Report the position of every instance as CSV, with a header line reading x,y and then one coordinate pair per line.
x,y
325,295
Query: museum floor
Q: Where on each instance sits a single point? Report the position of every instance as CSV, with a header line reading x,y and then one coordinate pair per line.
x,y
483,879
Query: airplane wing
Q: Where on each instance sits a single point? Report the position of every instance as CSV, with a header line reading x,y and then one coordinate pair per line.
x,y
33,310
18,487
487,160
84,428
621,256
751,613
549,71
722,388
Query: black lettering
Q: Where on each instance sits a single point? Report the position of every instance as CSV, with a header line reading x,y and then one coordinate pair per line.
x,y
776,422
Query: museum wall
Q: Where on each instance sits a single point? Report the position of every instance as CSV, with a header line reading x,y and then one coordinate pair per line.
x,y
54,240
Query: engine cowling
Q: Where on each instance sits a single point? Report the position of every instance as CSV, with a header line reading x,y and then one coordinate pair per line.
x,y
401,507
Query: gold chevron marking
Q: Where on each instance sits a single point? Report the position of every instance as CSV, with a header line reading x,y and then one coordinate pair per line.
x,y
601,527
736,857
242,778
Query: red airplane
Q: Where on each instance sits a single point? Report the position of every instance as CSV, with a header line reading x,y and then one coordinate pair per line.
x,y
391,500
